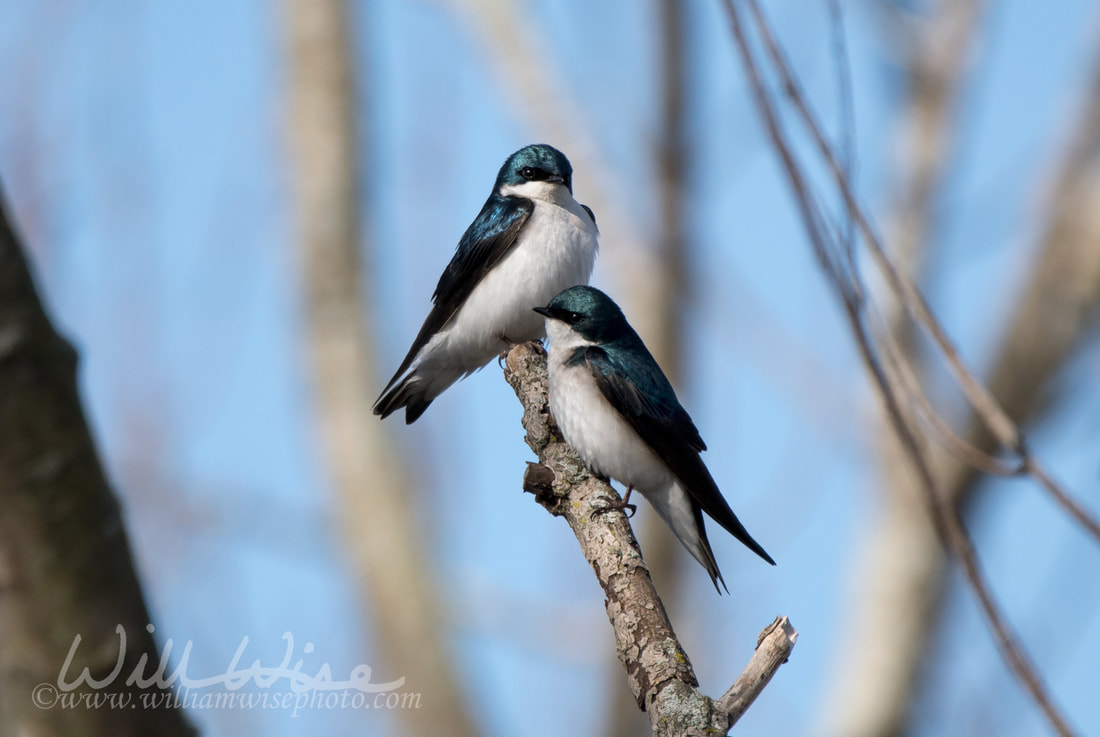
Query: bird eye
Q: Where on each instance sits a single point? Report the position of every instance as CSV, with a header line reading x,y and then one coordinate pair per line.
x,y
527,172
575,317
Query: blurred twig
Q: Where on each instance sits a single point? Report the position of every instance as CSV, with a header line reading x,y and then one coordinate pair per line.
x,y
1007,433
897,594
849,289
846,103
658,670
1050,318
380,524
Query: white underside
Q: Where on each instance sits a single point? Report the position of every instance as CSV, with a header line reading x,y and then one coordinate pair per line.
x,y
608,444
556,250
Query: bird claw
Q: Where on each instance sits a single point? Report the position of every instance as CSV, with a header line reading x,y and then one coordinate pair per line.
x,y
504,354
618,506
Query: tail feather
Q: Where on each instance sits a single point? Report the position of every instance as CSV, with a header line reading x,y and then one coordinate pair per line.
x,y
734,527
707,558
707,496
685,517
416,388
408,393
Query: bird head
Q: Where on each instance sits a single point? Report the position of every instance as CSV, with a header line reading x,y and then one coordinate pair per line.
x,y
588,312
535,166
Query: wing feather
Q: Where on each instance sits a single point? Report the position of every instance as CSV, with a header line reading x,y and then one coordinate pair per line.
x,y
634,384
482,246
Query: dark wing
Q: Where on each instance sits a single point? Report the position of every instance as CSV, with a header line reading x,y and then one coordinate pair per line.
x,y
489,237
591,215
635,385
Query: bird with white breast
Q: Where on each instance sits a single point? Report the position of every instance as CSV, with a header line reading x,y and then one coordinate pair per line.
x,y
531,240
617,409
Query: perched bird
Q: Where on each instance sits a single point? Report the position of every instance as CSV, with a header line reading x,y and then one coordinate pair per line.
x,y
530,241
616,408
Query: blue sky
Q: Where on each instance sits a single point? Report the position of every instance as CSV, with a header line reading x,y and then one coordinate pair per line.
x,y
144,154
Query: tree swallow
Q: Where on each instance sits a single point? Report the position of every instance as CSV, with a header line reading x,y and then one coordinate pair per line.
x,y
530,241
616,408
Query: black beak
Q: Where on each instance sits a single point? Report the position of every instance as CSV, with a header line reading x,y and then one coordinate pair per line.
x,y
555,179
544,311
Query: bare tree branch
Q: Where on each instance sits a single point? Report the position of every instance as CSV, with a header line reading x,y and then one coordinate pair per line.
x,y
985,406
658,670
773,647
66,569
945,518
381,528
906,570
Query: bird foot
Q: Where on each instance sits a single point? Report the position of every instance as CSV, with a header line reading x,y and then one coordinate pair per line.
x,y
504,354
620,505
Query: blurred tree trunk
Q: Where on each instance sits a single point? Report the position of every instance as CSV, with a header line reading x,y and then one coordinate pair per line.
x,y
899,591
65,563
665,305
627,252
381,529
904,570
937,61
668,303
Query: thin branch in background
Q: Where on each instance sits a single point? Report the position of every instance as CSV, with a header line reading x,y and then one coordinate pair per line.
x,y
658,670
948,525
846,104
900,283
903,573
380,526
905,379
985,406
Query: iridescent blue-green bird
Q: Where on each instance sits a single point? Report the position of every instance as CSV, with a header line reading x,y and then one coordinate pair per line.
x,y
617,409
530,241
